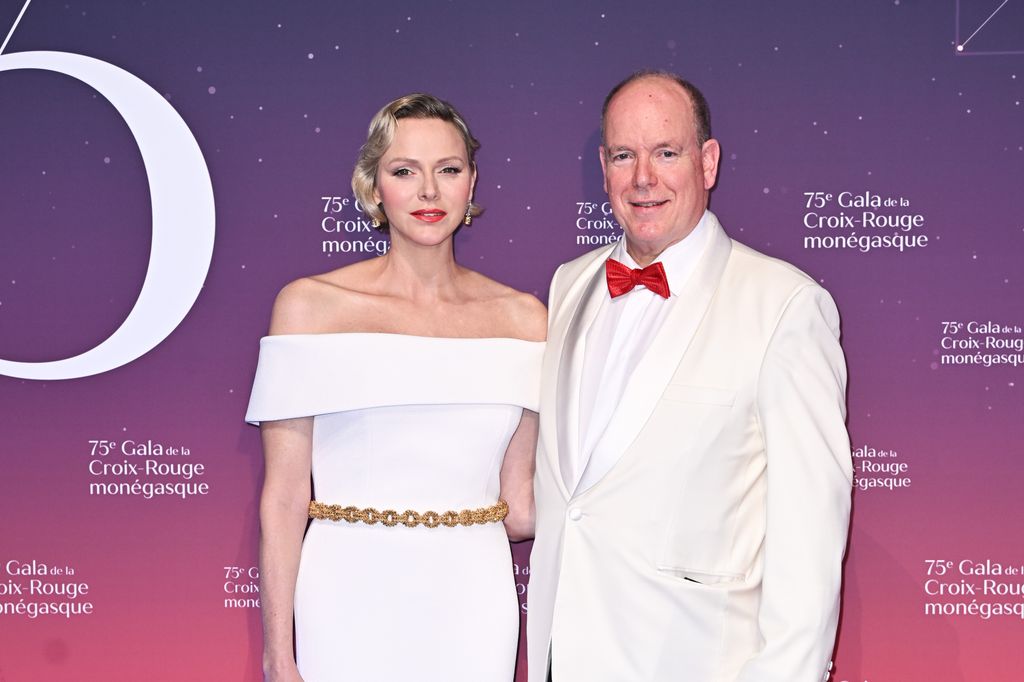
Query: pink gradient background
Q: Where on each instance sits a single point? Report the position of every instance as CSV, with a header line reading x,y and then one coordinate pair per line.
x,y
804,98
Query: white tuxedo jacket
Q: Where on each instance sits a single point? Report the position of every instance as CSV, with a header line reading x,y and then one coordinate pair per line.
x,y
712,551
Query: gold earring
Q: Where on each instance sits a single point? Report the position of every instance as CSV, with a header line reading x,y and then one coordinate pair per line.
x,y
467,220
375,223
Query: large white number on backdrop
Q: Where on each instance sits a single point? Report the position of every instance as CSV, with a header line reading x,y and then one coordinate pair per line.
x,y
183,216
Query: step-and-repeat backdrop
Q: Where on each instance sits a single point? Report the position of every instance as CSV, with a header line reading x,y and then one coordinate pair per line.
x,y
165,167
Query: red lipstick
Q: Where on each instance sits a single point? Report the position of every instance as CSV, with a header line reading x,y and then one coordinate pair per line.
x,y
430,215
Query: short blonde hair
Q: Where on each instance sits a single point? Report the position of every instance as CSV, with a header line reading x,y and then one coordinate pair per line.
x,y
381,133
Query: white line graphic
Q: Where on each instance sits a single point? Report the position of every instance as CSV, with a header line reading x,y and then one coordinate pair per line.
x,y
16,22
961,47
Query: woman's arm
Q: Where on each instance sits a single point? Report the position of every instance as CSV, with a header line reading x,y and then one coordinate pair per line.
x,y
284,512
284,502
530,322
517,478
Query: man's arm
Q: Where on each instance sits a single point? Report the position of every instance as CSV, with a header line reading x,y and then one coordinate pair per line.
x,y
801,402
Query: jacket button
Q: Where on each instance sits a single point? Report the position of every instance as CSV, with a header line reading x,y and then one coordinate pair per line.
x,y
575,514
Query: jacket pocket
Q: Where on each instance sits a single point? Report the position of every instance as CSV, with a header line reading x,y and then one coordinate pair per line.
x,y
701,577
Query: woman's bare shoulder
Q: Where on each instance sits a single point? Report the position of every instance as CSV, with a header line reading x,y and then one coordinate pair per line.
x,y
529,315
519,314
316,304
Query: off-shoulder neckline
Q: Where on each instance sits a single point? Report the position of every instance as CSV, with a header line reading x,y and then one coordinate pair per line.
x,y
397,335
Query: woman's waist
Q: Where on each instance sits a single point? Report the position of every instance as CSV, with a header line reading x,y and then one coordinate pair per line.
x,y
412,487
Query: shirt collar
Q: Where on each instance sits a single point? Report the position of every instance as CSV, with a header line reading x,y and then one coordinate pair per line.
x,y
679,259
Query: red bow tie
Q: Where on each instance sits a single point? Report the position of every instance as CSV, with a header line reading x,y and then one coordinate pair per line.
x,y
622,278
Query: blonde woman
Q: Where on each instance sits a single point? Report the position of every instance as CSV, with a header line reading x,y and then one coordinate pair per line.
x,y
406,387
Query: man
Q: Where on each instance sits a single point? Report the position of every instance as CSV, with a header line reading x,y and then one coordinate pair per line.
x,y
694,474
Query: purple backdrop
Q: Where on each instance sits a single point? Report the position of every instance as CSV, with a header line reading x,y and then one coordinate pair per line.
x,y
818,106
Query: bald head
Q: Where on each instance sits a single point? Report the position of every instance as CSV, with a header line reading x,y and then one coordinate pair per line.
x,y
699,105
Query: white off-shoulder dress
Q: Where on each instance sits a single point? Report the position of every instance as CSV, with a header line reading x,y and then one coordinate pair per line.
x,y
403,422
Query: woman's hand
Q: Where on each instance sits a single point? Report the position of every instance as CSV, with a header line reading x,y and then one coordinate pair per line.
x,y
287,673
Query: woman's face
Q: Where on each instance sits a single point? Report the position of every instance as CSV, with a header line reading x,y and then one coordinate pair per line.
x,y
424,181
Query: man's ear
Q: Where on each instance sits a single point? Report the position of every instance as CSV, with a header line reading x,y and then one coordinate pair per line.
x,y
604,170
710,154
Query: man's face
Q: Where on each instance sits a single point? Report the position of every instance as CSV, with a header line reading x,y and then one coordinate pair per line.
x,y
656,176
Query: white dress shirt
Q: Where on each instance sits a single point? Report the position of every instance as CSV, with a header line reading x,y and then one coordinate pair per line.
x,y
621,333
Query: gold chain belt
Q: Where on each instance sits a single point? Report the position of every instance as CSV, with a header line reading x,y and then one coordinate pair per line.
x,y
408,518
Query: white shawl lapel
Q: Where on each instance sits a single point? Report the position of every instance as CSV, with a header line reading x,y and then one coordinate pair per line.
x,y
572,316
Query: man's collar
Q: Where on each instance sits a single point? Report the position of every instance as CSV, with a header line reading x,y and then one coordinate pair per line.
x,y
679,259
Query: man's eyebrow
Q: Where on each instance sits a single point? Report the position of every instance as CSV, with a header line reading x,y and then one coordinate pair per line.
x,y
658,145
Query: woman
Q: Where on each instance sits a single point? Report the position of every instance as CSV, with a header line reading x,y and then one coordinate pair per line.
x,y
400,384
